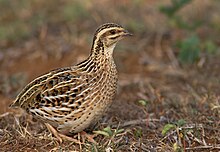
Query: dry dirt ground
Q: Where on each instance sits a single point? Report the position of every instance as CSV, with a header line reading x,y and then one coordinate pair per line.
x,y
161,104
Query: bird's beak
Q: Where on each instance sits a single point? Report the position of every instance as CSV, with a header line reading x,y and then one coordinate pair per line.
x,y
126,33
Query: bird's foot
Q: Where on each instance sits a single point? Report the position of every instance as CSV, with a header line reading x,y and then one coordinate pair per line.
x,y
60,136
89,137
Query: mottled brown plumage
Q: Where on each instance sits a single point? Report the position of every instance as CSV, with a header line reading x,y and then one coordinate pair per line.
x,y
72,98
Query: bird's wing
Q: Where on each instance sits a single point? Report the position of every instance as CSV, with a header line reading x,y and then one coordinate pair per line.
x,y
53,89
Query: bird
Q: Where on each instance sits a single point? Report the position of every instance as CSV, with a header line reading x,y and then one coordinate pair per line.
x,y
70,99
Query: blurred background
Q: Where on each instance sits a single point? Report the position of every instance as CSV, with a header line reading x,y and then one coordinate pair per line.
x,y
168,70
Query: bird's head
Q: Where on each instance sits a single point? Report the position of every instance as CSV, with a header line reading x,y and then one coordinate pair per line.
x,y
107,36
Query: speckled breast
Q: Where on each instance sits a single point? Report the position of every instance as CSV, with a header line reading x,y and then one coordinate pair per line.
x,y
102,90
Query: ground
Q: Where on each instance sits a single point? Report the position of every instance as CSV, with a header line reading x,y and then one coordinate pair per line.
x,y
162,104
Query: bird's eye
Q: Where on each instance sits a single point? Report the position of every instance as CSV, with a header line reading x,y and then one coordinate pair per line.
x,y
112,32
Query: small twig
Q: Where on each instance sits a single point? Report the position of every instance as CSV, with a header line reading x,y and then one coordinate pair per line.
x,y
5,114
137,122
178,136
204,147
203,136
171,133
195,139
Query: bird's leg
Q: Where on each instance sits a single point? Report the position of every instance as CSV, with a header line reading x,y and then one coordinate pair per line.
x,y
60,136
88,137
54,132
